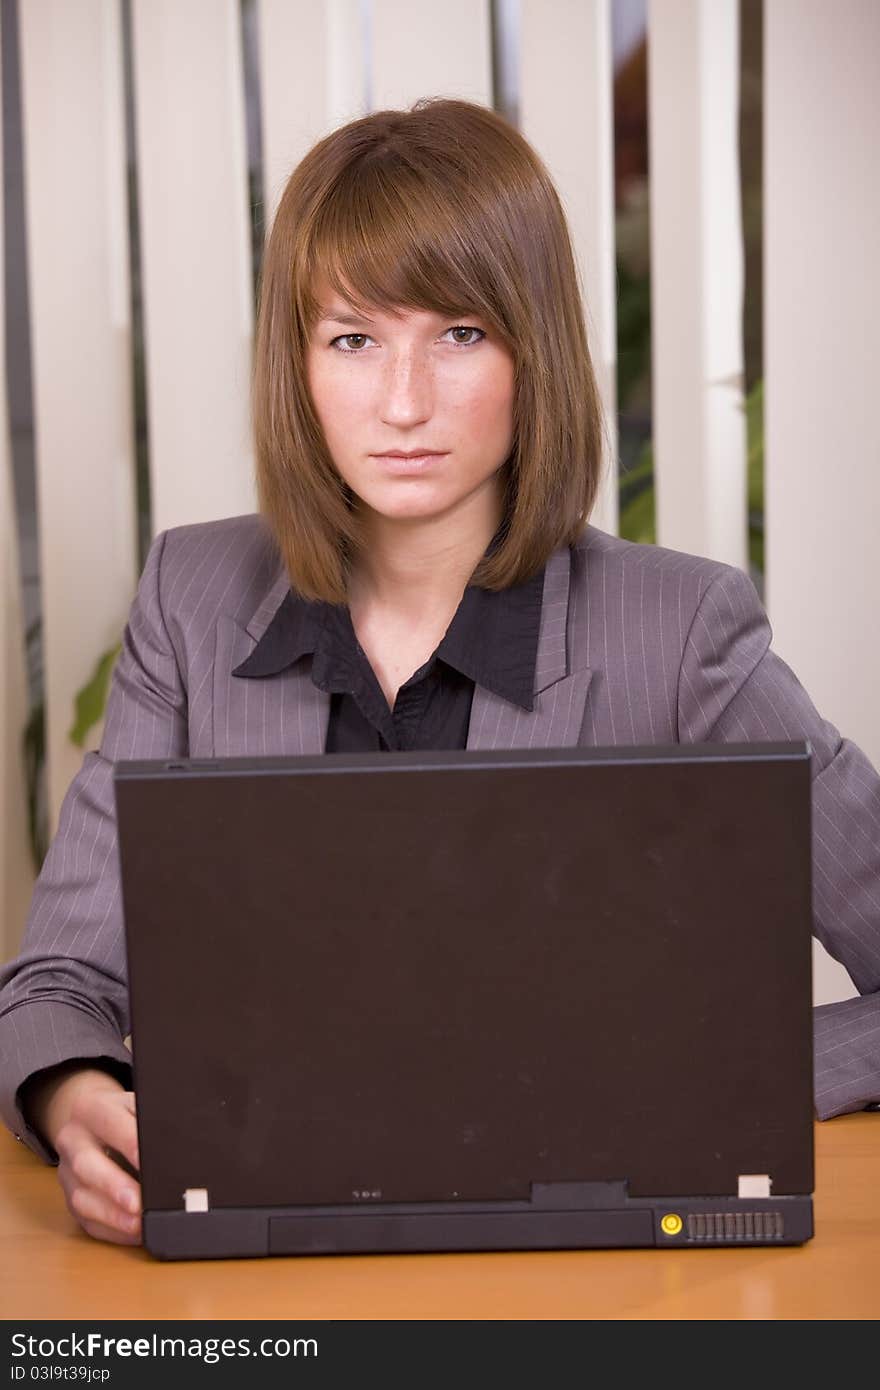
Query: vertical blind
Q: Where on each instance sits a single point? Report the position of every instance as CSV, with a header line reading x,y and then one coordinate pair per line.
x,y
318,65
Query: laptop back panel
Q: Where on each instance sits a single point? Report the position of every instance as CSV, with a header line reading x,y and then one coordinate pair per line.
x,y
452,981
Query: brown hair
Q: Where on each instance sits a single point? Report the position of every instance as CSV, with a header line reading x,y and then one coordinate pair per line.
x,y
441,207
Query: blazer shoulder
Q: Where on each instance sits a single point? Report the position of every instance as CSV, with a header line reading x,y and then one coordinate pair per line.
x,y
610,560
212,566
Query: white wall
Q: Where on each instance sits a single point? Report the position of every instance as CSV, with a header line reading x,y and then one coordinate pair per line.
x,y
822,316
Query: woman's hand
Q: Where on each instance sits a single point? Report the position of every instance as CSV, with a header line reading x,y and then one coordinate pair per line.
x,y
89,1119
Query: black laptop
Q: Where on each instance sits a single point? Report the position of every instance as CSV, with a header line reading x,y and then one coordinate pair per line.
x,y
471,1000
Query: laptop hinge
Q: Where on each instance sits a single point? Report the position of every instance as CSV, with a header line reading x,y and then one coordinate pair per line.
x,y
196,1199
753,1185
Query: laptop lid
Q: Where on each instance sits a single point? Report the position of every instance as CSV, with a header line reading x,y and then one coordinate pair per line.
x,y
448,982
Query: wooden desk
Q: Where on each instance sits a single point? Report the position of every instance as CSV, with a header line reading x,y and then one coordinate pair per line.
x,y
51,1270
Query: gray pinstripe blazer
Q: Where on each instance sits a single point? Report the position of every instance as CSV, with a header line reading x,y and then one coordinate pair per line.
x,y
637,645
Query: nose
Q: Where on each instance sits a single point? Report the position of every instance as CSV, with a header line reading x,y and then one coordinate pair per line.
x,y
406,389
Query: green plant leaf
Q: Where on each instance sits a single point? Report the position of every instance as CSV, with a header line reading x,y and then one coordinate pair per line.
x,y
90,701
755,438
633,331
637,518
635,479
637,514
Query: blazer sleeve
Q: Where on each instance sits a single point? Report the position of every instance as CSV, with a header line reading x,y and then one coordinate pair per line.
x,y
733,688
66,994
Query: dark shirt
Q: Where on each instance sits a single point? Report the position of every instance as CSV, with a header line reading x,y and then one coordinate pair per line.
x,y
492,641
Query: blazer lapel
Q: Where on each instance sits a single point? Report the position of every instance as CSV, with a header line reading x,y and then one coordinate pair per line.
x,y
561,683
283,715
287,715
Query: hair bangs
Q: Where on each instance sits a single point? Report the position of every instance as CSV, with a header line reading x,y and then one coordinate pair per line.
x,y
383,239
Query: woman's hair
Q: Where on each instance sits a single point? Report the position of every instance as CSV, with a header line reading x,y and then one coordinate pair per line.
x,y
442,207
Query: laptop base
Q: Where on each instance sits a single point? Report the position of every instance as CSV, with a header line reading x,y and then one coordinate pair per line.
x,y
668,1222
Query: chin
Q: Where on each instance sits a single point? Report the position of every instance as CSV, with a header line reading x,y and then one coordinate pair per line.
x,y
404,508
410,514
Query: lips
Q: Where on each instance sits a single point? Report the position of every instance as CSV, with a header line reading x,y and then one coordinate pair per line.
x,y
407,463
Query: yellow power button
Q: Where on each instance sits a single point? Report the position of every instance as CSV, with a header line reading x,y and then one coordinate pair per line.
x,y
670,1224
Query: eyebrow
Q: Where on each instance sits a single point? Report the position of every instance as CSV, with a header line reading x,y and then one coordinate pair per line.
x,y
350,319
353,320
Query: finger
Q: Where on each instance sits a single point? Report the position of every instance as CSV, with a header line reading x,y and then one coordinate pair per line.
x,y
129,1103
109,1116
94,1209
123,1162
109,1233
93,1170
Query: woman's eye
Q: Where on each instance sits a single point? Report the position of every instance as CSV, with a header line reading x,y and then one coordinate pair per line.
x,y
462,328
354,342
349,339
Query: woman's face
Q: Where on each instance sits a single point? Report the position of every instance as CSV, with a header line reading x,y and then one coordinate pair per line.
x,y
410,385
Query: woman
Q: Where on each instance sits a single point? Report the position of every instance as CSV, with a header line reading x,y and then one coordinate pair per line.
x,y
421,574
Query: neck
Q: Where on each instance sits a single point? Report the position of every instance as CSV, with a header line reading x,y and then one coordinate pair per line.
x,y
423,565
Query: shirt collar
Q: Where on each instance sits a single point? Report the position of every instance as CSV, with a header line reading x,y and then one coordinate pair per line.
x,y
492,639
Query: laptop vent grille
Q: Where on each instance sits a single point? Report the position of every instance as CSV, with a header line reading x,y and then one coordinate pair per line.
x,y
735,1226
